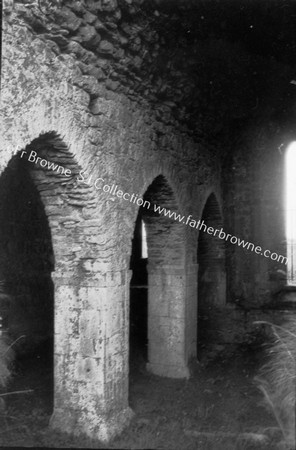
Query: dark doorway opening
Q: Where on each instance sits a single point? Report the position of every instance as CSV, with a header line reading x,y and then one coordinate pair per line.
x,y
26,263
211,278
156,284
139,297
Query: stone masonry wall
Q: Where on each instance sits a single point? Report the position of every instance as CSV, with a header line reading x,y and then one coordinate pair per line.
x,y
102,136
129,96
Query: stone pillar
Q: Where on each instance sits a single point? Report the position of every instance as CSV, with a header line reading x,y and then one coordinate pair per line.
x,y
166,321
191,310
91,351
212,281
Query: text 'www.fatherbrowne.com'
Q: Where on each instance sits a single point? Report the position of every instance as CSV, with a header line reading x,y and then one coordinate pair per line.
x,y
114,191
186,220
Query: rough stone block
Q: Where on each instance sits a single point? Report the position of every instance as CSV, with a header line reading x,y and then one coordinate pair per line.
x,y
106,47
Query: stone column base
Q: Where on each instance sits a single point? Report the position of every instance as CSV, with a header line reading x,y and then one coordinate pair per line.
x,y
102,427
168,371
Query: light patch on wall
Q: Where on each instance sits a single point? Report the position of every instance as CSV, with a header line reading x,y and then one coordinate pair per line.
x,y
291,212
144,250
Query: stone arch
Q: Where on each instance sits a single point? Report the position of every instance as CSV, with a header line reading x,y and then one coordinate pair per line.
x,y
138,298
155,169
69,208
211,268
214,197
166,281
26,264
56,177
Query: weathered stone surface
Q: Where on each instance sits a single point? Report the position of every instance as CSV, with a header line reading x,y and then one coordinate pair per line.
x,y
89,35
69,20
101,106
130,96
89,17
106,47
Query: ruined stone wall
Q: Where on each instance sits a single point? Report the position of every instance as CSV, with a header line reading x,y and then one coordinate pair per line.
x,y
255,212
123,96
102,135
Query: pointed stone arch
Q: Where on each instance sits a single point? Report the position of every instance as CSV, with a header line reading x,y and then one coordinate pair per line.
x,y
83,400
211,269
166,281
26,265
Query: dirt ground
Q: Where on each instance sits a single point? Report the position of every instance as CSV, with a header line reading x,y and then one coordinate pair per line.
x,y
219,407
